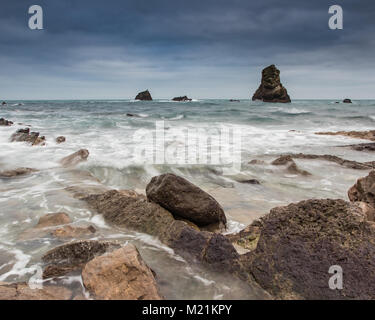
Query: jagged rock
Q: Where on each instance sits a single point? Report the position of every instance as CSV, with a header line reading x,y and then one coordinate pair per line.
x,y
367,135
271,89
184,98
300,242
145,95
60,139
24,135
364,190
53,219
291,165
73,256
16,172
184,199
22,291
347,101
75,158
4,122
343,162
369,147
120,275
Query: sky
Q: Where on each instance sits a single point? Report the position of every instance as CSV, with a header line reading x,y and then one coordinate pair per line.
x,y
95,49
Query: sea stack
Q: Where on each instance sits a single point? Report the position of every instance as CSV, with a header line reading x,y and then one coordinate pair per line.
x,y
144,95
271,89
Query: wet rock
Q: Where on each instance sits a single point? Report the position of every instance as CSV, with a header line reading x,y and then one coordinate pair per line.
x,y
53,219
184,199
22,291
234,100
364,190
4,122
120,275
24,135
75,158
144,95
257,162
60,139
347,101
291,165
271,89
249,181
343,162
16,172
73,256
368,147
3,103
136,213
298,244
184,98
367,135
69,231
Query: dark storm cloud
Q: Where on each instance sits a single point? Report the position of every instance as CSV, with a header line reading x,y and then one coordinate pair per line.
x,y
171,45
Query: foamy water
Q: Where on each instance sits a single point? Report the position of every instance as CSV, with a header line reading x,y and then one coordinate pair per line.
x,y
114,140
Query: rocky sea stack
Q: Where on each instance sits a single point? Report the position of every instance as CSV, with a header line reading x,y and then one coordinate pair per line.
x,y
271,89
144,96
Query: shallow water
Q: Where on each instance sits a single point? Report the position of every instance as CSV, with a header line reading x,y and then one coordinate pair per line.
x,y
115,142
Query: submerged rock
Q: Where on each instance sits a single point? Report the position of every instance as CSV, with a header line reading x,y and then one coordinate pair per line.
x,y
367,135
60,139
16,172
75,158
144,95
120,275
53,219
24,135
249,181
184,98
291,165
4,122
271,89
299,243
73,256
185,200
22,291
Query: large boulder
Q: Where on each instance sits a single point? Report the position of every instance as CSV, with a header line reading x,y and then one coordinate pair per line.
x,y
184,199
271,89
24,135
129,210
75,158
364,190
144,95
299,243
73,256
120,275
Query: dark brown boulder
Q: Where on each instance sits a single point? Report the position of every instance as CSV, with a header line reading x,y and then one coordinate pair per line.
x,y
300,242
73,256
184,199
4,122
184,98
60,139
347,101
145,96
271,89
24,135
364,190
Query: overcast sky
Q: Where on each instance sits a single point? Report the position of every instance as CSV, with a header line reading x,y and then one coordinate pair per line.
x,y
201,48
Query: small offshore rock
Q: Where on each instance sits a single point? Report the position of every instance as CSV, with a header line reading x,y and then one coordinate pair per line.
x,y
75,158
144,96
4,122
184,98
60,139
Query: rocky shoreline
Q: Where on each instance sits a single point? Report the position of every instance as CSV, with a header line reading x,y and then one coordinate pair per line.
x,y
285,255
